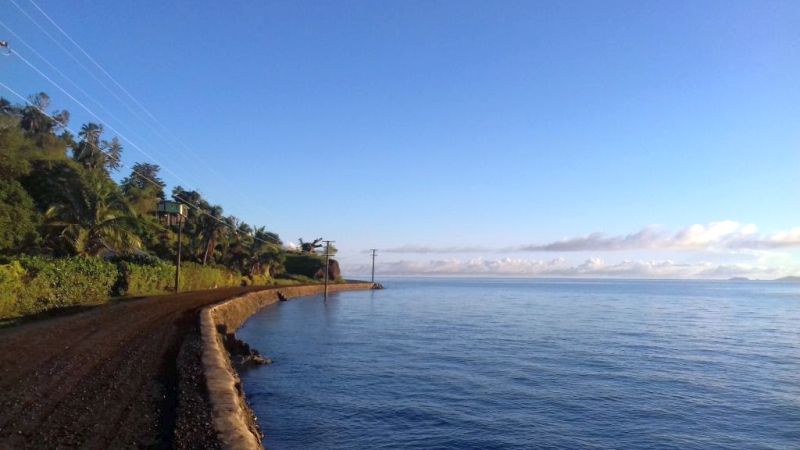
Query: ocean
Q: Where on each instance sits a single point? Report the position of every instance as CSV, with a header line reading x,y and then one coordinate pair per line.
x,y
512,364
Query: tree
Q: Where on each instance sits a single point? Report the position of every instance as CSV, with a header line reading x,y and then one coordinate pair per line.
x,y
18,219
310,247
267,256
56,203
212,225
113,155
94,219
88,152
143,188
192,227
34,120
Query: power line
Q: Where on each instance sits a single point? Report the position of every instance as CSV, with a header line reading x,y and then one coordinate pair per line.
x,y
93,75
71,81
74,58
122,88
93,60
111,127
145,177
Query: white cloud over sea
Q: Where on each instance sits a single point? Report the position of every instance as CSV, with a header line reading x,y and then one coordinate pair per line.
x,y
590,268
724,235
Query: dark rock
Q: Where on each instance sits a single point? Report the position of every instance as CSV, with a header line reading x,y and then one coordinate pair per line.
x,y
334,271
242,355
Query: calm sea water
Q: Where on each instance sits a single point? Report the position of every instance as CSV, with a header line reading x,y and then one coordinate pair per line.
x,y
502,364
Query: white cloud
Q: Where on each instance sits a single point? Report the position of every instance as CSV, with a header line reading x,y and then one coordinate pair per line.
x,y
560,267
724,235
716,236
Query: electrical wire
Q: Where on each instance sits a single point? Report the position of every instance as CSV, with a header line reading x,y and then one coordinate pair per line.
x,y
122,88
144,177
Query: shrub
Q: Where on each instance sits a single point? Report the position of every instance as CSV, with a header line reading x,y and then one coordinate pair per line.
x,y
305,264
260,280
152,277
56,283
195,276
11,285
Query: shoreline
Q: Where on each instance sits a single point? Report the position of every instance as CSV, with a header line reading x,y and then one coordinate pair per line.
x,y
233,420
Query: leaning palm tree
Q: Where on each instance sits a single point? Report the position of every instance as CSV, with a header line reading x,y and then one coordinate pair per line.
x,y
93,219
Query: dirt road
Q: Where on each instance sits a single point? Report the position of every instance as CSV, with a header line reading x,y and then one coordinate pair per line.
x,y
123,375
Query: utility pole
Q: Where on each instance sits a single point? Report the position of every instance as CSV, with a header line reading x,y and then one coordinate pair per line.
x,y
168,210
178,266
327,263
373,264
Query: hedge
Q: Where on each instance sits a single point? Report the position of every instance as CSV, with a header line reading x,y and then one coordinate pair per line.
x,y
145,278
32,285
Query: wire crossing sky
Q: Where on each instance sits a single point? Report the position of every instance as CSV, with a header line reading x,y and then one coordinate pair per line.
x,y
630,139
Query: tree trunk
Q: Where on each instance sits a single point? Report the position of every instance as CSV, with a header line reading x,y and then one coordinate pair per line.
x,y
212,242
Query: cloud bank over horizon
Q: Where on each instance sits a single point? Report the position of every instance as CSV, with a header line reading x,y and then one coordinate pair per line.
x,y
724,235
717,250
560,267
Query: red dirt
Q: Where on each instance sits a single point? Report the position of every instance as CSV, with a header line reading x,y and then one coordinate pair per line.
x,y
123,375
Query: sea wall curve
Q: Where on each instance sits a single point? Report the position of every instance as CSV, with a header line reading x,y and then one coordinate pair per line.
x,y
230,414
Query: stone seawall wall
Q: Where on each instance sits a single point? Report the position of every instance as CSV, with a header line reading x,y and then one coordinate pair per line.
x,y
231,416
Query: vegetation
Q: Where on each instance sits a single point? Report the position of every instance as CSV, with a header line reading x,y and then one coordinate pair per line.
x,y
34,284
307,264
70,234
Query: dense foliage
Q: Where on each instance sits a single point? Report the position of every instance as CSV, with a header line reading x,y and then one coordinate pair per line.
x,y
70,233
34,284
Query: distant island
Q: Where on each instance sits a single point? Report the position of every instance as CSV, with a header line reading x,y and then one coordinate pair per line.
x,y
789,279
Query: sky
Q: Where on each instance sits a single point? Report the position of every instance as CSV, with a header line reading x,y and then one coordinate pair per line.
x,y
552,138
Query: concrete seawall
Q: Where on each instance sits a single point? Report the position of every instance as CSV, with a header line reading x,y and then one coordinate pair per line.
x,y
231,415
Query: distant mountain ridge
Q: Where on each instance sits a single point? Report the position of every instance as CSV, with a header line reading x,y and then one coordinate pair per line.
x,y
789,279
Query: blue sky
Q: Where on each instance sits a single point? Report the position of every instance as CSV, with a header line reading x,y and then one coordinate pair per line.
x,y
454,133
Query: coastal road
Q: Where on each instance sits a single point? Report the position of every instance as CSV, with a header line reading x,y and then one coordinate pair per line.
x,y
122,375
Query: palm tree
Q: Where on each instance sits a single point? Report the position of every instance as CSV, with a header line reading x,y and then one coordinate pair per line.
x,y
88,152
212,225
113,154
94,218
33,119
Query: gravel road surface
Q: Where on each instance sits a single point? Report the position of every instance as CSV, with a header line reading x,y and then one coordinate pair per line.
x,y
122,375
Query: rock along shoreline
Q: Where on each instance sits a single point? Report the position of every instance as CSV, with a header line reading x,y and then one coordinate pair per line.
x,y
233,420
